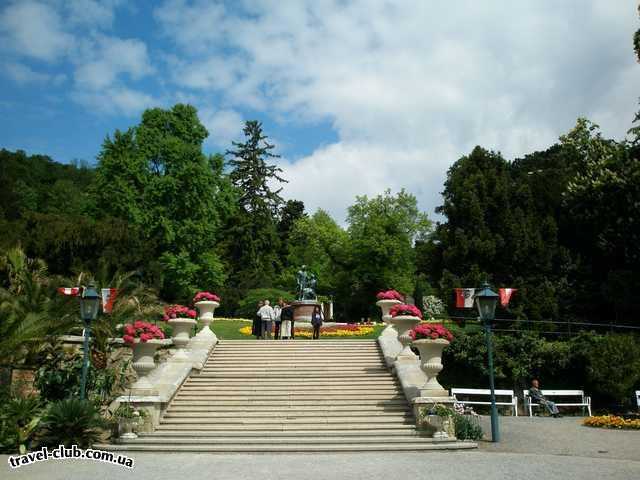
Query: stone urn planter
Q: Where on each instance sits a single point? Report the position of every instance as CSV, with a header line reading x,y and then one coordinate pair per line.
x,y
385,306
431,363
206,309
126,428
403,324
181,328
143,363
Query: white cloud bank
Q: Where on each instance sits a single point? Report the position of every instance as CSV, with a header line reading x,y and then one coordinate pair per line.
x,y
410,86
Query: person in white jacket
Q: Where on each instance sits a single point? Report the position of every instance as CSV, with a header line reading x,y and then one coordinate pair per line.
x,y
267,315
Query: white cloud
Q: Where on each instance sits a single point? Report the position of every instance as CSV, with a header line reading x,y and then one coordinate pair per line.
x,y
34,29
92,13
115,100
23,75
224,126
411,86
109,57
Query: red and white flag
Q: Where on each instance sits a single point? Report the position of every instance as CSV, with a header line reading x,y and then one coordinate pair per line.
x,y
71,292
108,297
464,297
505,295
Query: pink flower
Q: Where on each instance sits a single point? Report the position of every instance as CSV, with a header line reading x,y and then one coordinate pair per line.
x,y
390,295
145,337
129,330
138,324
128,339
206,296
403,309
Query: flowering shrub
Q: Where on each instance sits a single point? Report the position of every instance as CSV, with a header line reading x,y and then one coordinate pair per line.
x,y
432,306
612,421
430,331
403,309
178,311
390,295
206,296
144,331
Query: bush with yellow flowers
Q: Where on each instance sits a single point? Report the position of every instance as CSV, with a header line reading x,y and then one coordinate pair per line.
x,y
612,421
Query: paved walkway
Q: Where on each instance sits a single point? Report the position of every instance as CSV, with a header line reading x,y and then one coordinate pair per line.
x,y
531,448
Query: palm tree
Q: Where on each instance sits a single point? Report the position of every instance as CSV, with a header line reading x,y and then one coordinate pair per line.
x,y
30,313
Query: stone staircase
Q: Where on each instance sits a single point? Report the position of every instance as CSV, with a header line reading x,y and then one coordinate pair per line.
x,y
289,396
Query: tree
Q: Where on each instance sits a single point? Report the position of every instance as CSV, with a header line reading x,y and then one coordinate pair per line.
x,y
322,245
382,232
156,177
252,244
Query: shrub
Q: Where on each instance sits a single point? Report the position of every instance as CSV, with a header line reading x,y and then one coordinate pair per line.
x,y
19,421
72,422
467,427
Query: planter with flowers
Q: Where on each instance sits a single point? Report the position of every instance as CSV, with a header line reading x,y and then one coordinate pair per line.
x,y
386,300
144,338
404,317
206,303
430,339
182,321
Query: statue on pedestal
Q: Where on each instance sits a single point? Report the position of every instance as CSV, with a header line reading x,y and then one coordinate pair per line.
x,y
306,283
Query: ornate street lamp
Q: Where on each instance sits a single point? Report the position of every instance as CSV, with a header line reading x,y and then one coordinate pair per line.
x,y
486,301
89,306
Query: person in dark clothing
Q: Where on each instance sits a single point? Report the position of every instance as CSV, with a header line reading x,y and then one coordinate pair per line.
x,y
256,327
286,322
316,321
536,396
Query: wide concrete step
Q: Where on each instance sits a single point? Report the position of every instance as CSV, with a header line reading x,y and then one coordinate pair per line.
x,y
290,397
354,403
287,410
268,419
242,448
283,388
402,431
292,381
290,427
252,362
282,415
288,375
307,440
304,369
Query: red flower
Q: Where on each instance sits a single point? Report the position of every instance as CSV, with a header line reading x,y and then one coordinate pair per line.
x,y
431,331
390,295
128,339
403,309
206,296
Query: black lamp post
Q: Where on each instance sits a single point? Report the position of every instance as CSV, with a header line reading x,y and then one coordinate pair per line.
x,y
89,306
486,301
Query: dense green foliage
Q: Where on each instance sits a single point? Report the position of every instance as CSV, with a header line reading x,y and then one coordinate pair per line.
x,y
71,422
606,366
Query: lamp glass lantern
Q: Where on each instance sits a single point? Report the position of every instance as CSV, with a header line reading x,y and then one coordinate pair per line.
x,y
486,301
89,304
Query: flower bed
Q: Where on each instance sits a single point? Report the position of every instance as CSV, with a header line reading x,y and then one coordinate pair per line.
x,y
612,421
333,331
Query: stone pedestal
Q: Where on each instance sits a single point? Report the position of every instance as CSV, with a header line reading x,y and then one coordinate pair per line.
x,y
206,309
443,427
404,323
388,339
181,332
143,363
431,365
303,310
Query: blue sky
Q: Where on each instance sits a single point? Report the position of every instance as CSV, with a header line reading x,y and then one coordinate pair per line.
x,y
358,96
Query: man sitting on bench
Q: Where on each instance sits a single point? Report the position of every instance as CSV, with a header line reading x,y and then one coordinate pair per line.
x,y
536,396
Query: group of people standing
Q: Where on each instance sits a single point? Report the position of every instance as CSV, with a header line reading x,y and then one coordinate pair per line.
x,y
278,320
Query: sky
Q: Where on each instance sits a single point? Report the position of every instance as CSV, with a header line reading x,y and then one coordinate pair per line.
x,y
358,96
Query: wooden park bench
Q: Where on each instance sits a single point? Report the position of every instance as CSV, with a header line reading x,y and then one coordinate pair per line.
x,y
579,399
482,396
